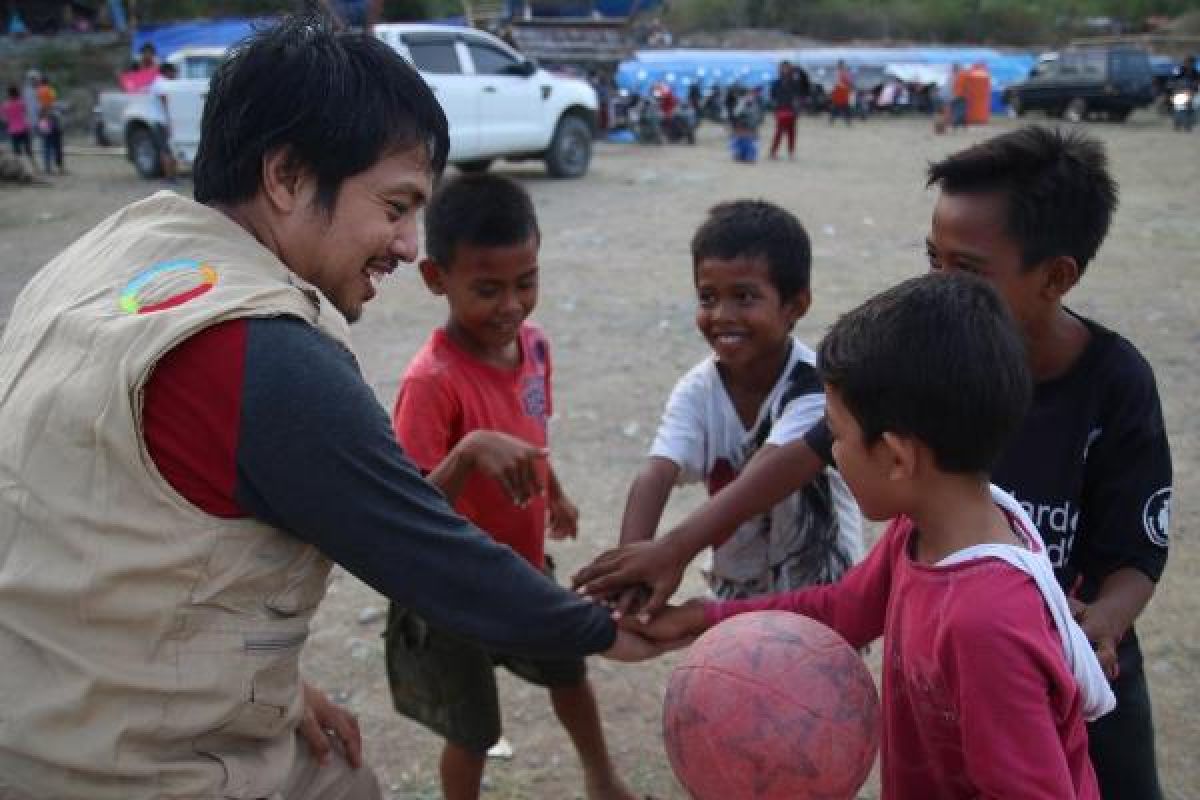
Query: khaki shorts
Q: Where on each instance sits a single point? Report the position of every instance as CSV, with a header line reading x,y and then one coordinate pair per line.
x,y
448,684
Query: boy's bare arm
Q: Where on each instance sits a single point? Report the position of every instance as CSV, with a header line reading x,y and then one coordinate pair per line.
x,y
511,461
773,474
770,476
643,509
562,515
647,498
1122,598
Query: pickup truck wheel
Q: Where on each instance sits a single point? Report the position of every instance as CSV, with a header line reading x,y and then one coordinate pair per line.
x,y
571,148
474,167
143,153
1076,110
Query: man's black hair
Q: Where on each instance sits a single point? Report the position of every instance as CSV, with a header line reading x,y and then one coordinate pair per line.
x,y
337,102
938,358
479,210
757,229
1060,195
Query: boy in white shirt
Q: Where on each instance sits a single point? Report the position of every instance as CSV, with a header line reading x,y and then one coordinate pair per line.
x,y
758,390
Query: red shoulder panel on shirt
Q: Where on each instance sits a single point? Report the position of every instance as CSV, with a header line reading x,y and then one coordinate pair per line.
x,y
192,414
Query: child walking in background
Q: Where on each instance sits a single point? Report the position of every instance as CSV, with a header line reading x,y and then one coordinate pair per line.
x,y
842,94
16,118
49,127
471,413
987,679
757,391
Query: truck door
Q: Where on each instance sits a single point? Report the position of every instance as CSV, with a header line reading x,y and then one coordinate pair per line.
x,y
436,56
511,104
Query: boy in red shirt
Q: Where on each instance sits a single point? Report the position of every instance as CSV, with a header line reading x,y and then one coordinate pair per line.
x,y
471,413
987,680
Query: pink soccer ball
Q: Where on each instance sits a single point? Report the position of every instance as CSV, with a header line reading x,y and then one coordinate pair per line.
x,y
771,705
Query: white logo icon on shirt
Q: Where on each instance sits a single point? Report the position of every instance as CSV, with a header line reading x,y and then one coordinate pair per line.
x,y
1156,516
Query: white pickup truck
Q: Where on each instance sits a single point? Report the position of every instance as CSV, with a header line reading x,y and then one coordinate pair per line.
x,y
498,103
126,117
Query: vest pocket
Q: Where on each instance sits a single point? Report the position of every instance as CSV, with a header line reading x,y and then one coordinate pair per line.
x,y
251,772
253,744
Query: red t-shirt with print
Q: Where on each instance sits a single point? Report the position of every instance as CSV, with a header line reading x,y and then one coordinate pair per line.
x,y
447,393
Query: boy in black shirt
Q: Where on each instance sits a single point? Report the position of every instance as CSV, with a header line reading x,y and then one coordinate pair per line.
x,y
1027,211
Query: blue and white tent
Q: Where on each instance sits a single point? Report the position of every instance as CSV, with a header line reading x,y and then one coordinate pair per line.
x,y
680,68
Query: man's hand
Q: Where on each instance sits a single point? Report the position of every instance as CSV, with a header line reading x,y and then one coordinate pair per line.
x,y
510,461
653,564
323,719
562,517
1099,630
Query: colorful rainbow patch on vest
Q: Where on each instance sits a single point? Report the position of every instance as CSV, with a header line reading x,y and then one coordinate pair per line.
x,y
167,284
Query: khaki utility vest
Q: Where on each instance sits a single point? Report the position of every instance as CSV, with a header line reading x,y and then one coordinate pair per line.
x,y
147,649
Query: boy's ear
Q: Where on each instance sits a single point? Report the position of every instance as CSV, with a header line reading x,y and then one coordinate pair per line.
x,y
1061,274
432,274
902,454
799,304
284,182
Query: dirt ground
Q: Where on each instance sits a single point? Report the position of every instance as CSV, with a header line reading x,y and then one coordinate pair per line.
x,y
617,302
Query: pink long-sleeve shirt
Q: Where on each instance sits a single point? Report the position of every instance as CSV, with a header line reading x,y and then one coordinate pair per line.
x,y
978,699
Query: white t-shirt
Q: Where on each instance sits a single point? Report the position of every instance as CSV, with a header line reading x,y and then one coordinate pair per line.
x,y
160,88
811,536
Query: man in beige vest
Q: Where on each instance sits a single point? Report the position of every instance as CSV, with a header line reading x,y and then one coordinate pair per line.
x,y
188,445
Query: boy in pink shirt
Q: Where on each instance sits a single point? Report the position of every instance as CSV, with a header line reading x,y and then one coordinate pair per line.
x,y
985,681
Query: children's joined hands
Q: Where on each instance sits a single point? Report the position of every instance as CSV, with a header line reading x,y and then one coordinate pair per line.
x,y
651,567
672,627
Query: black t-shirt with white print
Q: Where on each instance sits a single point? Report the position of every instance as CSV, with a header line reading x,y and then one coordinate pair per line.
x,y
1091,466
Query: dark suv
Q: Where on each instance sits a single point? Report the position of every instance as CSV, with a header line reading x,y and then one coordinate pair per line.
x,y
1085,80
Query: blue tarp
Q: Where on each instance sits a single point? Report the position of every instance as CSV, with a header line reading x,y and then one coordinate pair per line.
x,y
173,36
681,68
583,8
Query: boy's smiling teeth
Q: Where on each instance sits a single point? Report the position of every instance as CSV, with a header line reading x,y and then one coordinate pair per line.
x,y
377,272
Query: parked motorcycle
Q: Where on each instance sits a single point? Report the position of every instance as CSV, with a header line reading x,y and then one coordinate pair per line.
x,y
1184,105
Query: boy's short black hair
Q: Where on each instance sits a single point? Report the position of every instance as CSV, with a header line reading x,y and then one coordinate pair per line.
x,y
757,229
480,210
1061,197
938,358
338,102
